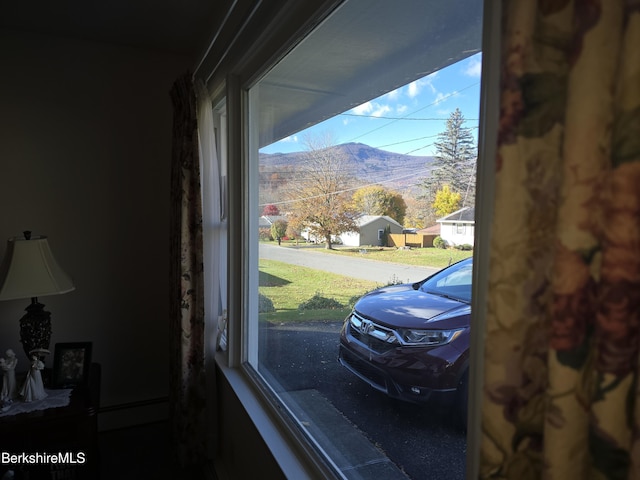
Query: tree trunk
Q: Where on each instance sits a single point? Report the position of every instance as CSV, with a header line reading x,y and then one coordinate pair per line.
x,y
327,242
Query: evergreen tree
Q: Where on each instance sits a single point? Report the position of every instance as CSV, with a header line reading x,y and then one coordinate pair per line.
x,y
454,163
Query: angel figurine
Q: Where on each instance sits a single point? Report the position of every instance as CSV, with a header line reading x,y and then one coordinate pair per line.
x,y
8,366
33,389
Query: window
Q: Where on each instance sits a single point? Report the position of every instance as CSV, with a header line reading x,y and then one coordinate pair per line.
x,y
362,51
460,228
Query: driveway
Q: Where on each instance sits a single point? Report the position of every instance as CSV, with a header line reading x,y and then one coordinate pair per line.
x,y
382,273
366,433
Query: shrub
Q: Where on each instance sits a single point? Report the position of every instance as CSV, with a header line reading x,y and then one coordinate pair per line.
x,y
264,233
395,280
353,300
438,242
278,229
265,305
318,302
464,246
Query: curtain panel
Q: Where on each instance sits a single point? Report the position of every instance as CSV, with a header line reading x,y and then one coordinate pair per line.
x,y
187,325
561,398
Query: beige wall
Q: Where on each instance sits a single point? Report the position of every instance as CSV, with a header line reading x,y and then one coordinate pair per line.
x,y
85,152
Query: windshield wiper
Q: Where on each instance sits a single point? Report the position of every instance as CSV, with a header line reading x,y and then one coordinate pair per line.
x,y
444,295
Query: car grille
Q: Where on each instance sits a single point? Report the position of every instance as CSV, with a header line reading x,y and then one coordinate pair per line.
x,y
364,370
378,338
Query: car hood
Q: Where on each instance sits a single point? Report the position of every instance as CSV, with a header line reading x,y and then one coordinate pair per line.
x,y
402,306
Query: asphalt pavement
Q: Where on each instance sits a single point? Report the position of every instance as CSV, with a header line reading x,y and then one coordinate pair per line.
x,y
380,272
366,433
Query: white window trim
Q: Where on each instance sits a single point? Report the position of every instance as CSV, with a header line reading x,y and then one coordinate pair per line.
x,y
294,457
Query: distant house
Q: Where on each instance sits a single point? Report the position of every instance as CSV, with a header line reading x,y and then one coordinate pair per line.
x,y
424,236
458,227
432,230
371,231
265,221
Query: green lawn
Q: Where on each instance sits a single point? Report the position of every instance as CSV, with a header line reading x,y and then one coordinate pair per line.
x,y
426,257
289,285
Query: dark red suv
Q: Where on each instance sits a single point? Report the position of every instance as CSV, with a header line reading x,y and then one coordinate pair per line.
x,y
411,341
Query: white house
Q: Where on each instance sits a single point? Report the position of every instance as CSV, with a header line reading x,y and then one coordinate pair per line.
x,y
371,231
458,227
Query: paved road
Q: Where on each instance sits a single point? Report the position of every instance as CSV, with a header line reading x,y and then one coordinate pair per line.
x,y
379,272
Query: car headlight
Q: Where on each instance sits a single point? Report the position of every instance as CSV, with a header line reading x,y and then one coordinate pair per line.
x,y
428,337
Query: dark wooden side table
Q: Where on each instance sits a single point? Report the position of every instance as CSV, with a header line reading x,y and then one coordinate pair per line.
x,y
71,430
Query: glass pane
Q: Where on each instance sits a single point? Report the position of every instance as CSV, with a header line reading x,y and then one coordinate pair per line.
x,y
348,203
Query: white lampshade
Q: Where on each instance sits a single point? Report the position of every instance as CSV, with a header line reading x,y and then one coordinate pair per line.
x,y
30,270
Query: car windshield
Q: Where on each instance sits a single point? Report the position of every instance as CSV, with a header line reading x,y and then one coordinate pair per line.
x,y
452,282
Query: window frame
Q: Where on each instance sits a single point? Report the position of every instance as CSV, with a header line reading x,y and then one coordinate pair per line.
x,y
295,454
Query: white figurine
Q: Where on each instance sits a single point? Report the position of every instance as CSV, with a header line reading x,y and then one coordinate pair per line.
x,y
33,389
8,366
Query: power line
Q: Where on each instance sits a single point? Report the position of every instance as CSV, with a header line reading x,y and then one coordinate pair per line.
x,y
399,118
346,190
436,102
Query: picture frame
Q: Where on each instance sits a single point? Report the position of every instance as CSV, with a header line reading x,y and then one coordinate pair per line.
x,y
71,364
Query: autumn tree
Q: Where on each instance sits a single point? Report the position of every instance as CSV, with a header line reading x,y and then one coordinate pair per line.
x,y
318,198
446,201
279,229
377,200
419,212
293,232
270,210
454,163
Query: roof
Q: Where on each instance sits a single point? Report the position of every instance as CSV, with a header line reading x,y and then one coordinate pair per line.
x,y
268,220
363,220
466,214
432,230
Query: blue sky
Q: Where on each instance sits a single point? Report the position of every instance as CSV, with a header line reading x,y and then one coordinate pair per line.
x,y
406,120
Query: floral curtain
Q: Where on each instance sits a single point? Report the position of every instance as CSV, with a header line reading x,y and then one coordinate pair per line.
x,y
561,391
187,379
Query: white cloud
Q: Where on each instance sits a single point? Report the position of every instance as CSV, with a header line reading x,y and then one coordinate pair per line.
x,y
400,109
363,109
413,89
473,67
440,97
380,110
416,87
392,95
429,79
290,139
371,109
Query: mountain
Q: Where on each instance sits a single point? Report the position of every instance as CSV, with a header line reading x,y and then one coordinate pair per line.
x,y
366,164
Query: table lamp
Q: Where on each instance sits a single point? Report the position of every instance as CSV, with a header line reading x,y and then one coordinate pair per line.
x,y
29,270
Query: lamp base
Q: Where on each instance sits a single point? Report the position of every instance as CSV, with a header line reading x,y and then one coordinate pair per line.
x,y
35,328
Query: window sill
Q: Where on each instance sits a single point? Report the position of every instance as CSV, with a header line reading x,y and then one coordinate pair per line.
x,y
295,457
